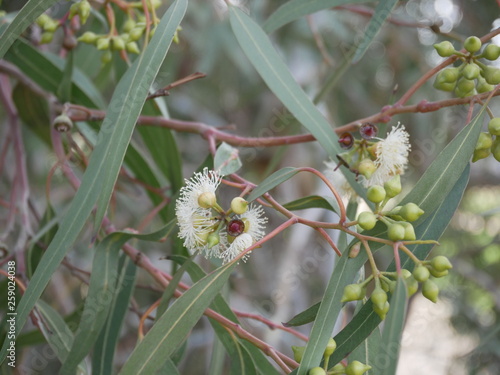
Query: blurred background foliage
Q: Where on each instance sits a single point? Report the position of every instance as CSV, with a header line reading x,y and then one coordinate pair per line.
x,y
232,96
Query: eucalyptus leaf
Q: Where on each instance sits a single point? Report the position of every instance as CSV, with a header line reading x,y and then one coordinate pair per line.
x,y
226,160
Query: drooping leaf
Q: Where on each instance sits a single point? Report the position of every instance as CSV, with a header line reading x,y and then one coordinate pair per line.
x,y
272,181
304,317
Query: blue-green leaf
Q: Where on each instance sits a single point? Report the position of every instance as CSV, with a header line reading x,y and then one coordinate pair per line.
x,y
226,160
272,181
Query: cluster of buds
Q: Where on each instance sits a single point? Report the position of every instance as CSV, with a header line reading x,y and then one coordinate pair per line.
x,y
385,282
398,220
471,76
488,142
352,368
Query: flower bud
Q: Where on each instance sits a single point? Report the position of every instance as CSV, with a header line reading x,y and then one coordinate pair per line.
x,y
411,285
46,37
51,25
471,71
430,290
239,205
356,368
73,10
421,273
367,220
88,37
491,52
330,348
409,232
444,86
84,11
491,75
136,33
117,43
450,75
353,292
103,43
388,285
480,154
405,273
43,19
213,239
379,297
484,141
495,150
298,353
366,168
393,186
465,85
132,47
62,123
494,126
128,25
411,212
339,368
483,86
472,44
396,232
382,312
317,371
207,200
375,194
444,49
441,263
438,274
106,57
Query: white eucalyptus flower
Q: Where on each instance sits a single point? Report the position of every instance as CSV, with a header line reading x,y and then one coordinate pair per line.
x,y
338,180
240,244
195,222
392,156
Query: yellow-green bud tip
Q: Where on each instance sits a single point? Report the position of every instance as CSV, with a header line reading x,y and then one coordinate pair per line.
x,y
207,200
239,205
356,368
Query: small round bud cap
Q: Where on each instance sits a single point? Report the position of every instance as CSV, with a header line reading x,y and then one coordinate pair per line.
x,y
444,49
376,194
472,44
356,368
367,220
430,290
239,205
421,273
396,232
207,200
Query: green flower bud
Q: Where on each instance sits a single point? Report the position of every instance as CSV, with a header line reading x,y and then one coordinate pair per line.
x,y
388,286
330,348
88,37
438,274
491,75
132,47
411,286
491,52
484,141
409,232
298,353
366,168
483,86
367,220
440,85
472,44
393,186
494,126
152,32
213,239
43,19
396,232
375,194
465,85
46,37
450,75
207,200
103,43
382,312
136,33
339,368
84,11
239,205
317,371
495,150
356,368
379,297
353,292
471,71
106,57
481,154
444,49
405,273
51,25
73,10
128,25
117,43
411,212
62,123
430,290
421,273
441,263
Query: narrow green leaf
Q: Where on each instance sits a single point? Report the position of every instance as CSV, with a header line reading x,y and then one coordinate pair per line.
x,y
388,355
226,160
313,201
103,290
104,350
25,17
304,317
169,368
64,89
105,161
367,351
173,326
295,9
272,181
382,11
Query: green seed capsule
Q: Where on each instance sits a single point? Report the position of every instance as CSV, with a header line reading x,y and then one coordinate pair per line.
x,y
441,263
472,44
353,292
396,232
421,273
444,49
411,285
411,212
356,368
375,194
491,52
494,126
367,220
471,71
430,290
481,154
484,141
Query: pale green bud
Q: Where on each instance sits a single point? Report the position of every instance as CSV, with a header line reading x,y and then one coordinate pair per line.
x,y
491,52
375,194
421,273
239,205
430,290
207,200
393,186
444,49
472,44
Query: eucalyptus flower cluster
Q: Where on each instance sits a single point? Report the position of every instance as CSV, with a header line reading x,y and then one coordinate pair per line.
x,y
376,159
488,142
207,228
471,76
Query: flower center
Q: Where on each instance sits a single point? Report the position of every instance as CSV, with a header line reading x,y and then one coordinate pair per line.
x,y
368,130
235,227
346,140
